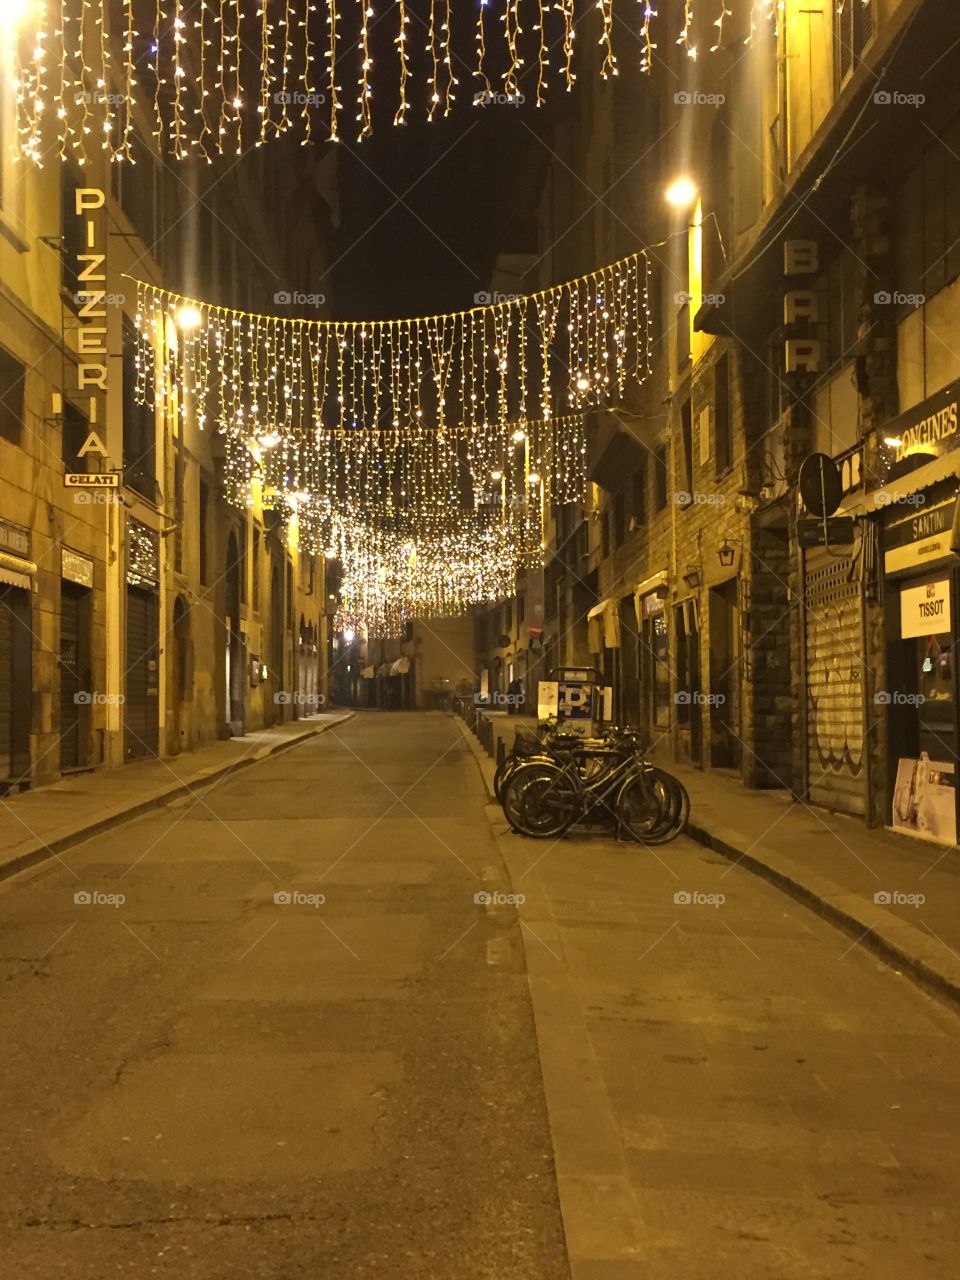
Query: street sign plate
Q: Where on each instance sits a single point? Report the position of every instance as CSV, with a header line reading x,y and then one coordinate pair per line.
x,y
92,479
839,532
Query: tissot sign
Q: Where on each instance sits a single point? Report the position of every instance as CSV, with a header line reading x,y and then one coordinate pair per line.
x,y
925,611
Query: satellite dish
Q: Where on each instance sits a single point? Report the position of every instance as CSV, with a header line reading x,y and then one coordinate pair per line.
x,y
820,485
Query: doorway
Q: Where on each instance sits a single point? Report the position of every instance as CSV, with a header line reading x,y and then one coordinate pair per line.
x,y
724,676
75,681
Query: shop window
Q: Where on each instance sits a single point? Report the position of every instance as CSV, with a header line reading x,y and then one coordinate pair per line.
x,y
72,233
660,484
203,515
619,518
723,438
12,374
74,429
139,425
639,496
854,28
686,438
256,567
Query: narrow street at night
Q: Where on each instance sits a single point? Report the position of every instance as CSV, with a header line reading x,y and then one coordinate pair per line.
x,y
382,1076
479,623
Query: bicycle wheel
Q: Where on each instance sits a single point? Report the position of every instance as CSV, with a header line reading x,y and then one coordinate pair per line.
x,y
541,800
645,807
510,764
682,806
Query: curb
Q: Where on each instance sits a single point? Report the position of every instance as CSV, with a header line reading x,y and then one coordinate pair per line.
x,y
50,848
878,934
883,934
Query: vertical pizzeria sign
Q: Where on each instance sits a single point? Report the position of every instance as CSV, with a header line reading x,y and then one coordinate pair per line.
x,y
89,270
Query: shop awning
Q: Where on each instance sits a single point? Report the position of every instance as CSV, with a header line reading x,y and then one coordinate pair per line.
x,y
603,626
862,504
16,572
400,667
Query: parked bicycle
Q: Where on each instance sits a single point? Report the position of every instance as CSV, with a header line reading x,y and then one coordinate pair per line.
x,y
568,780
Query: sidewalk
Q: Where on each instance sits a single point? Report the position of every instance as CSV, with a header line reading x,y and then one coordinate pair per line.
x,y
40,824
898,896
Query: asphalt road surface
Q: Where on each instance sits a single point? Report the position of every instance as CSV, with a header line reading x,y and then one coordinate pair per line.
x,y
277,1037
204,1081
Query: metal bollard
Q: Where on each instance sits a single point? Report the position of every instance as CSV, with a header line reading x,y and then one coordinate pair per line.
x,y
501,751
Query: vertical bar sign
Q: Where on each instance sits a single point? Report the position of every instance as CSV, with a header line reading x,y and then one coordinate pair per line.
x,y
92,313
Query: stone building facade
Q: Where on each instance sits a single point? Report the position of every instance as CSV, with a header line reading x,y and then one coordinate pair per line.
x,y
153,616
806,301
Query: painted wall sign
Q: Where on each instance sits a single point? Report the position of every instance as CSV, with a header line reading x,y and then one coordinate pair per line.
x,y
14,538
925,610
75,567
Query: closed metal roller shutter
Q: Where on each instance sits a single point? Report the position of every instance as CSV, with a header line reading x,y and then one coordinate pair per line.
x,y
70,680
7,624
141,709
834,667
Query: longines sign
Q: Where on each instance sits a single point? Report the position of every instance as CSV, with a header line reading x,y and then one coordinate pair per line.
x,y
929,429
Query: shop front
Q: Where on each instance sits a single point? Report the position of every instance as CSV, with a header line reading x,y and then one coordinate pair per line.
x,y
656,704
921,535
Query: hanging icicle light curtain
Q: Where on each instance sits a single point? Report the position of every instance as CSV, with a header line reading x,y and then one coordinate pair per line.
x,y
388,575
219,76
557,352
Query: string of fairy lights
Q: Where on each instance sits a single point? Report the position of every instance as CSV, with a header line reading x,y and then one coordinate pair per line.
x,y
220,76
543,355
425,453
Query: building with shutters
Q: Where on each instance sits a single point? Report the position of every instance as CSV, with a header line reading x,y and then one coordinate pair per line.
x,y
805,301
152,617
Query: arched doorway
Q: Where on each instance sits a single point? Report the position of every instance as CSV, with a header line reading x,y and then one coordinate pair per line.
x,y
236,683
